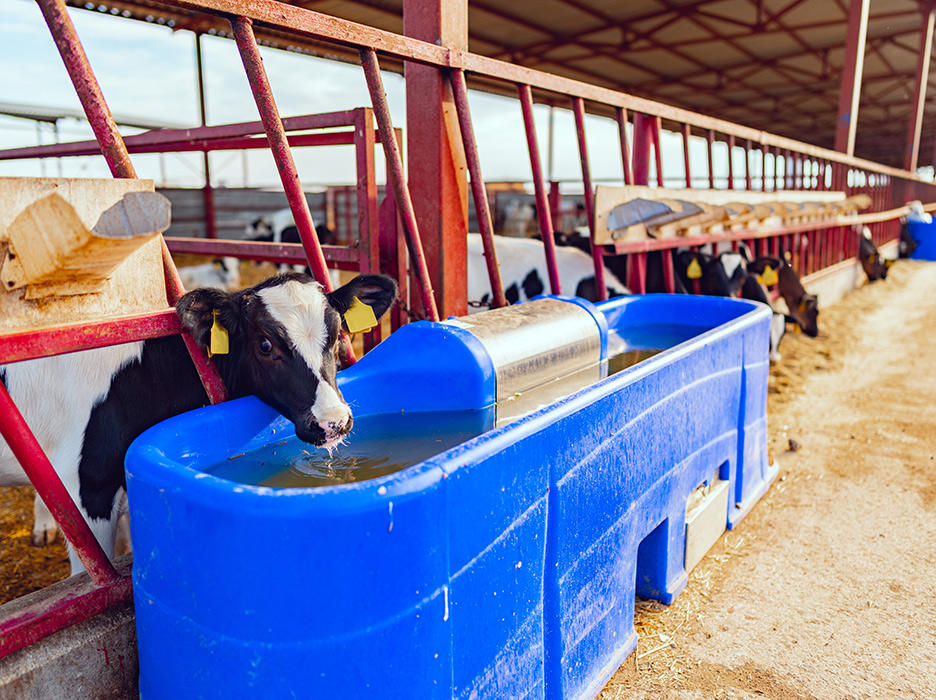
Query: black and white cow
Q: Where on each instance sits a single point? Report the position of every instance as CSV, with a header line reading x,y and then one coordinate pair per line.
x,y
719,275
875,266
87,407
754,290
522,264
223,273
280,227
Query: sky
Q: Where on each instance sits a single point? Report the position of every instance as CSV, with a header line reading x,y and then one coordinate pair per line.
x,y
148,70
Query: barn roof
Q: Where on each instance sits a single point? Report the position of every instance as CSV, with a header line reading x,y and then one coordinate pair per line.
x,y
774,65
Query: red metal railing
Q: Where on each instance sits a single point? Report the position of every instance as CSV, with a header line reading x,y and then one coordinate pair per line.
x,y
812,245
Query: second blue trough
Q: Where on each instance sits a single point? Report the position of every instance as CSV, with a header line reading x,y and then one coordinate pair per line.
x,y
506,566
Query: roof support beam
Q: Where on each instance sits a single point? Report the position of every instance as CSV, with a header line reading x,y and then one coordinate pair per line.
x,y
851,76
919,94
437,165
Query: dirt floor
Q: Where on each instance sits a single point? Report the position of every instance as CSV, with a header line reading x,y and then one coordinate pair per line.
x,y
823,591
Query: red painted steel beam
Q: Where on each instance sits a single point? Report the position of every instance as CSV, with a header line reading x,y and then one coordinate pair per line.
x,y
74,337
543,215
621,116
482,208
42,476
644,125
686,133
397,178
86,85
436,164
851,76
289,253
269,115
919,94
333,138
578,109
24,622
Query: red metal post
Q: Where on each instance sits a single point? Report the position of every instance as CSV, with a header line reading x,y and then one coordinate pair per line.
x,y
686,133
578,109
543,215
643,140
747,165
397,179
207,193
851,76
731,146
657,151
28,452
919,94
555,203
763,153
621,115
482,208
710,145
436,160
368,247
266,106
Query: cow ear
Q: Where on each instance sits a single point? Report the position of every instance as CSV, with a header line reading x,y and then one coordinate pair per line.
x,y
196,311
377,291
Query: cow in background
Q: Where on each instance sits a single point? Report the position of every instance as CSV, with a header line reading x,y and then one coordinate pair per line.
x,y
875,266
523,271
222,273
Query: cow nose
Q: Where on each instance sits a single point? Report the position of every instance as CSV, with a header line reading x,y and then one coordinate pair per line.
x,y
336,427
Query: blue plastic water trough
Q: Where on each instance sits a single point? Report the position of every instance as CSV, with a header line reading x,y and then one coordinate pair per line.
x,y
506,566
925,236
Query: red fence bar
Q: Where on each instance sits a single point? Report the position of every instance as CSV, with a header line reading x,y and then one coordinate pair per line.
x,y
620,114
643,140
710,145
686,133
731,146
397,178
747,166
657,151
578,109
482,208
919,94
542,204
42,476
260,86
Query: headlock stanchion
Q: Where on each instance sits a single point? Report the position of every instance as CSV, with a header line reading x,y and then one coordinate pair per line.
x,y
483,210
397,179
578,109
543,213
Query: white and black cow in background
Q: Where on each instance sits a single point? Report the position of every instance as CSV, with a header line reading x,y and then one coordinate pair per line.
x,y
223,273
523,271
874,264
280,227
87,407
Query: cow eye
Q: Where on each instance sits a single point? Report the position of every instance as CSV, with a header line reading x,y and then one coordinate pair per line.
x,y
265,346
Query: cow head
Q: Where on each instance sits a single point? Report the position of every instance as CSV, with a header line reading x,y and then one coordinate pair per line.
x,y
707,274
282,337
805,313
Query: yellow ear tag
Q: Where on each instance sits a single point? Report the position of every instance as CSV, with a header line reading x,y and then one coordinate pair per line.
x,y
360,317
219,337
768,277
694,271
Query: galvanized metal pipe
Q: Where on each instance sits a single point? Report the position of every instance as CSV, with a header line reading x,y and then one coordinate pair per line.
x,y
482,209
397,178
578,109
543,215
